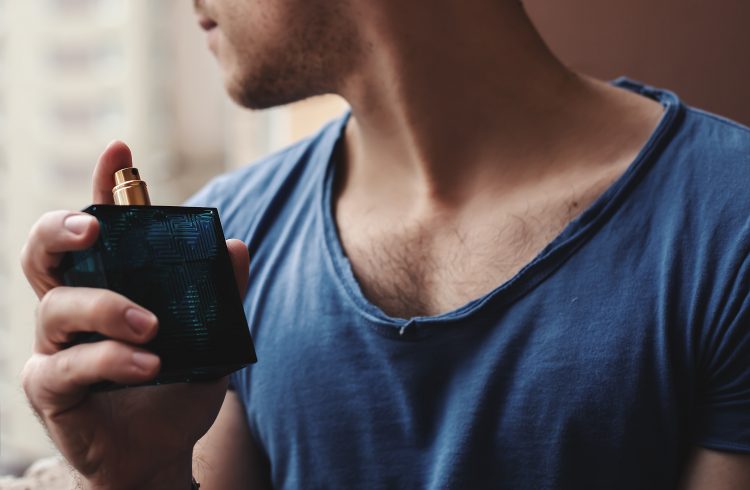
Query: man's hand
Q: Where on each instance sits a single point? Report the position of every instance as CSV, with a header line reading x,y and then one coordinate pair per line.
x,y
133,438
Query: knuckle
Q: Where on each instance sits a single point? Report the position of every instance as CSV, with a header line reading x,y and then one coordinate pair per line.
x,y
64,367
36,228
102,304
44,222
27,376
46,304
103,359
29,381
35,242
25,259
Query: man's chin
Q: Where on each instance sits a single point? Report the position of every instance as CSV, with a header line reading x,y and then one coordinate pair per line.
x,y
262,96
252,100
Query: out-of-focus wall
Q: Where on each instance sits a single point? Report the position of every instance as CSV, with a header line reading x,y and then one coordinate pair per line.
x,y
697,48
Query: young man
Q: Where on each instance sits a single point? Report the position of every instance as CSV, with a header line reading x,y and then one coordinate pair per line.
x,y
492,273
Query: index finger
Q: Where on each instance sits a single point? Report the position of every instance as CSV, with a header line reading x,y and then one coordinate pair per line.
x,y
115,157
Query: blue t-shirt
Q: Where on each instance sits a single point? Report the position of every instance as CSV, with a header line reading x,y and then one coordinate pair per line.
x,y
622,345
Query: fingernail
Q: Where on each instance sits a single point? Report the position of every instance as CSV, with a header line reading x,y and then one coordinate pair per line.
x,y
144,362
77,223
140,321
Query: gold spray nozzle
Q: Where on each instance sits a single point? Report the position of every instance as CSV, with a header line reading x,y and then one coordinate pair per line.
x,y
130,189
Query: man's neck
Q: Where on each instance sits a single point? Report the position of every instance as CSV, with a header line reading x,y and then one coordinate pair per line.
x,y
464,103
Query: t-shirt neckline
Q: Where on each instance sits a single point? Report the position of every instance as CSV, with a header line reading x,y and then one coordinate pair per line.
x,y
529,276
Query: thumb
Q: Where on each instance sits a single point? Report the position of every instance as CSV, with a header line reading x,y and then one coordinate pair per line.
x,y
115,157
240,263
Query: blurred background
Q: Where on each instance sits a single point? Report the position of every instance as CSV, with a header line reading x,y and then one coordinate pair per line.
x,y
75,74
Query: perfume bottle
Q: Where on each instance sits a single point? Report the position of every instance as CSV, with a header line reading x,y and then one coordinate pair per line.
x,y
173,261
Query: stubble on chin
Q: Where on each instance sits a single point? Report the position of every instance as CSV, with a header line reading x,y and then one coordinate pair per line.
x,y
266,86
312,60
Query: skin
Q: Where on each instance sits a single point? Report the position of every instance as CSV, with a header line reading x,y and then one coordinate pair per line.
x,y
458,107
277,37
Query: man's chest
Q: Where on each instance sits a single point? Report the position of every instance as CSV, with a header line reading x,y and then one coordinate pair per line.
x,y
409,269
550,377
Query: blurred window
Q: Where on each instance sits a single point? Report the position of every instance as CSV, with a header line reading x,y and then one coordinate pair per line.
x,y
86,116
72,173
3,134
85,59
2,46
77,8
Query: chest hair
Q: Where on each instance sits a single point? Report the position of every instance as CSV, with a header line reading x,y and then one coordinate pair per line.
x,y
412,269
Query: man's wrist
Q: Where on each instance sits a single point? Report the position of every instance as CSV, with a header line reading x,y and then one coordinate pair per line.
x,y
176,476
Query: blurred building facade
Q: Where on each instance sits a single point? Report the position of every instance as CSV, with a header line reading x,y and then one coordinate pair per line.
x,y
74,75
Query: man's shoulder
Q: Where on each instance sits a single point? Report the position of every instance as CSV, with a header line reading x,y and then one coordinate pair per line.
x,y
697,187
709,156
714,139
287,173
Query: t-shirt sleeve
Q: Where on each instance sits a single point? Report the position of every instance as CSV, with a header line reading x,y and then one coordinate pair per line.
x,y
723,392
208,196
232,383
